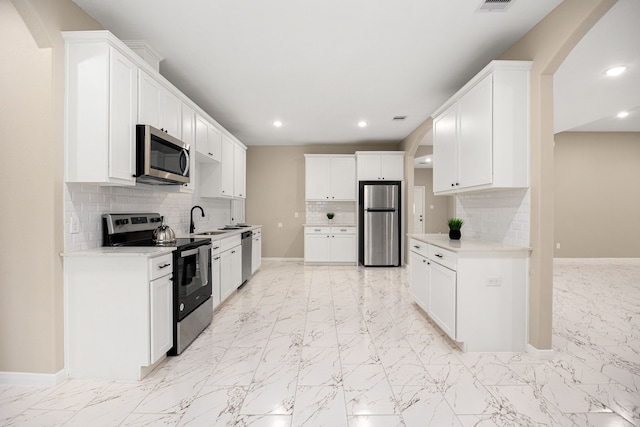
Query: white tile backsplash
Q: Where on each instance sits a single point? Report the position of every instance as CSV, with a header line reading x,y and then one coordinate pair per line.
x,y
345,212
88,202
499,216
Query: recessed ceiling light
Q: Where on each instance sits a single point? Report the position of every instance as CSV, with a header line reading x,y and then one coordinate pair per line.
x,y
362,123
616,71
622,114
277,123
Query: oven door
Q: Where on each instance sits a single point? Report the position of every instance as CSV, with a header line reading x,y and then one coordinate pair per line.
x,y
192,279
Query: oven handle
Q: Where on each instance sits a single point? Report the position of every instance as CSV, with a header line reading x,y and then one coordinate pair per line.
x,y
189,253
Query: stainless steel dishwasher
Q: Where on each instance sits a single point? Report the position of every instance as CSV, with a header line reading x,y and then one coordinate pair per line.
x,y
246,239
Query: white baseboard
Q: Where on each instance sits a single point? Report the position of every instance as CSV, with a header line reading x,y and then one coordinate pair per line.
x,y
540,354
32,379
284,259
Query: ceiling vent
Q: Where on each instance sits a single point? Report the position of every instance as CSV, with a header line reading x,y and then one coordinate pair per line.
x,y
494,5
398,118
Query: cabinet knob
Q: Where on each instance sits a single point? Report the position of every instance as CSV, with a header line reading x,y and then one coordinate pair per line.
x,y
453,185
424,260
211,154
457,183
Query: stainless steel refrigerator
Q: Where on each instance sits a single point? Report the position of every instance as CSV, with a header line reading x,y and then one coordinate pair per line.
x,y
379,214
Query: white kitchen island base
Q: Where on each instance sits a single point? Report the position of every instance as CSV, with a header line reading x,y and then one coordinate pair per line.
x,y
476,291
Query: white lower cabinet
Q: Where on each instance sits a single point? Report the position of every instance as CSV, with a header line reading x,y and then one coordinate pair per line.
x,y
476,296
215,274
161,298
441,304
330,245
118,314
419,271
256,250
230,266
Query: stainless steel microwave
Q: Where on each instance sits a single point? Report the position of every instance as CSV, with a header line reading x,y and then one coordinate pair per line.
x,y
160,158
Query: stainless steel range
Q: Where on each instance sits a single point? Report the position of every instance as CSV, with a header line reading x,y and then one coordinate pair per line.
x,y
193,310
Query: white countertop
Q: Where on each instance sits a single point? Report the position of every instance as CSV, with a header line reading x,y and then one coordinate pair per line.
x,y
150,251
465,244
227,233
145,251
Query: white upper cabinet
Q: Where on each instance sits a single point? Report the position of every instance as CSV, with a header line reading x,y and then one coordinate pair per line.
x,y
101,111
110,89
208,140
157,106
481,134
239,172
227,178
380,165
330,177
227,164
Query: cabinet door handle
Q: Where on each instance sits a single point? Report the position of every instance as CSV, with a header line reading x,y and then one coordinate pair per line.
x,y
164,266
317,229
439,255
343,229
216,247
416,246
233,252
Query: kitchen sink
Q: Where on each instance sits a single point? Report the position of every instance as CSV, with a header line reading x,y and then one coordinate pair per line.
x,y
211,233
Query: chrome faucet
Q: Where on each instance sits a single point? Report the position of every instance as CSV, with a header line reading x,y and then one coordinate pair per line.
x,y
192,226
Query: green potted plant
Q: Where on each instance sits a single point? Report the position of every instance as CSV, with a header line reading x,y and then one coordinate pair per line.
x,y
455,224
330,216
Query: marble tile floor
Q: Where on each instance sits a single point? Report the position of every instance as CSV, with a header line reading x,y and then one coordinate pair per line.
x,y
345,346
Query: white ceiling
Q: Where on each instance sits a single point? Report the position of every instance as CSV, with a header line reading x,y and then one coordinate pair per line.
x,y
585,98
320,67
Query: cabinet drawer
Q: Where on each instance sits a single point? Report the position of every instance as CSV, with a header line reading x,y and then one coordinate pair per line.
x,y
215,247
317,230
419,247
343,230
160,266
443,256
230,242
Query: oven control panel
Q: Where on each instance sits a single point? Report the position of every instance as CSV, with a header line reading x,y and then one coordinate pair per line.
x,y
124,222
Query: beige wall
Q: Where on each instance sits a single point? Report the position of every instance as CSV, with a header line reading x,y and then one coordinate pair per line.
x,y
275,191
597,183
31,112
435,220
547,45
